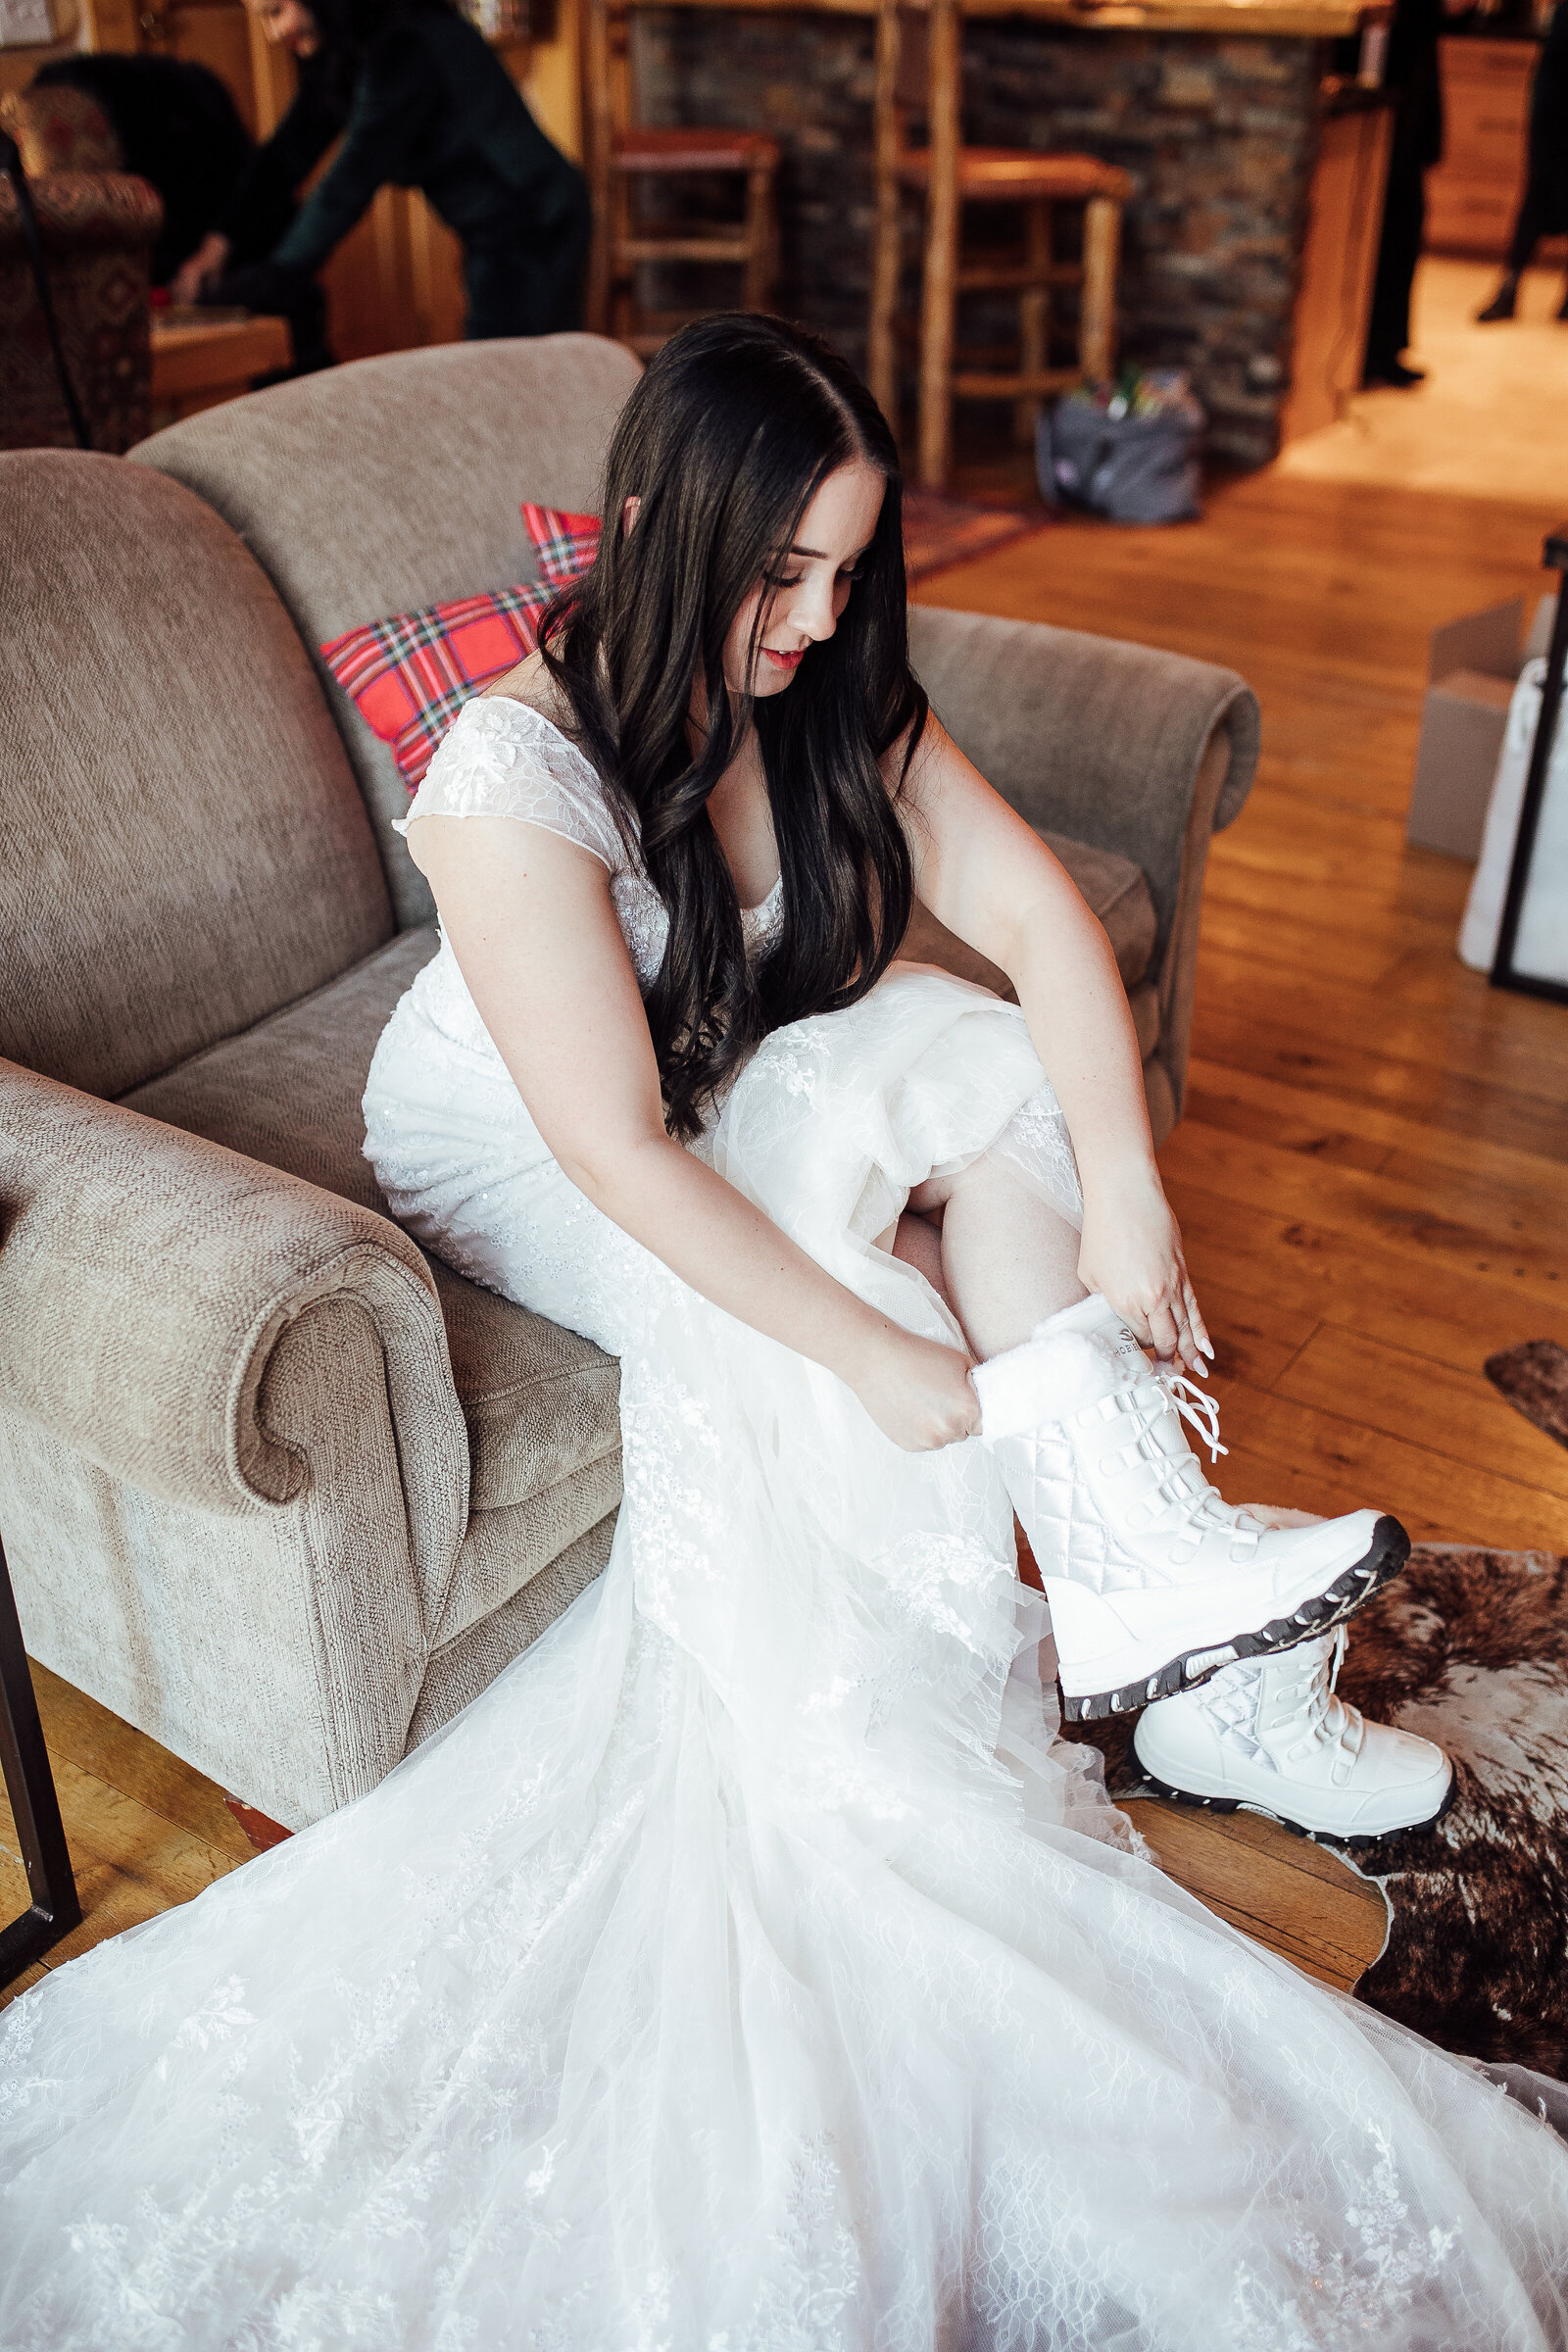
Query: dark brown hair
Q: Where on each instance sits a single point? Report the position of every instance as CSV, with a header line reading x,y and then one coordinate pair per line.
x,y
726,441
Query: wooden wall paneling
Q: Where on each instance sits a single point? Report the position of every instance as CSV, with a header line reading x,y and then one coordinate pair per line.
x,y
216,33
435,267
271,80
548,73
1474,193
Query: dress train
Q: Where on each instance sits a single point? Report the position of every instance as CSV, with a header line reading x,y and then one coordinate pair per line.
x,y
749,1968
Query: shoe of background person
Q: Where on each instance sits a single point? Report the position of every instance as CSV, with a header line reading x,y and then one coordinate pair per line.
x,y
1153,1581
1393,372
1272,1734
1502,305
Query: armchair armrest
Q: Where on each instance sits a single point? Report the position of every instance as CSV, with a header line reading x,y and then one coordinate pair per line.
x,y
1117,745
109,209
147,1277
1093,737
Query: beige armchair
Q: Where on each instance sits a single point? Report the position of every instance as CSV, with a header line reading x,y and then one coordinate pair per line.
x,y
273,1485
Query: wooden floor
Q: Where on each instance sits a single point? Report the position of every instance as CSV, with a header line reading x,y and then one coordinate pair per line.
x,y
1491,417
1372,1174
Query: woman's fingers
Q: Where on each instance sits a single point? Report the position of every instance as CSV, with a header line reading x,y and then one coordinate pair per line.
x,y
1194,1321
1165,1332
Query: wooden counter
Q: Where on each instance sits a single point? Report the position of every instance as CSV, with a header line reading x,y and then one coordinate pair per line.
x,y
1276,19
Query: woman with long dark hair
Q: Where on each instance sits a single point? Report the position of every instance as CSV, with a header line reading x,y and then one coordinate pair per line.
x,y
418,100
749,1968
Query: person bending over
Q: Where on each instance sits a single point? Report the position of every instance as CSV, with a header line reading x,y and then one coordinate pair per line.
x,y
419,101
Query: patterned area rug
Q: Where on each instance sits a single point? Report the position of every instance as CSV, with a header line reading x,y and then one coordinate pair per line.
x,y
1471,1650
1534,1380
937,532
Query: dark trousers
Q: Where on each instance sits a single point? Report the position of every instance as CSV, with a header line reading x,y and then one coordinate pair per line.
x,y
1404,215
1533,222
529,280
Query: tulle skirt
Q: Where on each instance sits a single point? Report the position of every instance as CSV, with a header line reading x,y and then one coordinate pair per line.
x,y
749,1968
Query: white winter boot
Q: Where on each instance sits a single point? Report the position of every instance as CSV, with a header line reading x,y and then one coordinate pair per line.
x,y
1271,1734
1152,1580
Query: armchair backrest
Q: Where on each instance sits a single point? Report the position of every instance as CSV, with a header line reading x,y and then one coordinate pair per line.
x,y
60,130
183,846
396,483
97,229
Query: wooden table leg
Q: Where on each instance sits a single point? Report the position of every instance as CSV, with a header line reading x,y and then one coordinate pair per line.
x,y
939,295
881,343
1034,317
1097,331
598,128
761,240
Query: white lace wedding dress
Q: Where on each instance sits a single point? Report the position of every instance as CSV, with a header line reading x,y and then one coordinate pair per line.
x,y
749,1968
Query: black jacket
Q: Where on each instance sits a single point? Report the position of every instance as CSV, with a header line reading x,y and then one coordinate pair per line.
x,y
420,102
177,127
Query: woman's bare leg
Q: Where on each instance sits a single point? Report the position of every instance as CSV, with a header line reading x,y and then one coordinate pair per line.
x,y
1000,1255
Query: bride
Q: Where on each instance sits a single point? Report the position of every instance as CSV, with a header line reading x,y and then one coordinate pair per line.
x,y
749,1969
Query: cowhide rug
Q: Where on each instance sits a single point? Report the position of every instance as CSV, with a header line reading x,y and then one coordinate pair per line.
x,y
1533,1377
1471,1650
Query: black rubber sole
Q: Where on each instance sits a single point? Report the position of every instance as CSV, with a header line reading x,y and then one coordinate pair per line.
x,y
1297,1828
1390,1549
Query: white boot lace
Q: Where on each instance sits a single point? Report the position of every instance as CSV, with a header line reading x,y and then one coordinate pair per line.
x,y
1191,1502
1194,1405
1327,1720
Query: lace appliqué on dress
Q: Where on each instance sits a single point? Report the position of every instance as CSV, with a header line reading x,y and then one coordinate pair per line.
x,y
504,759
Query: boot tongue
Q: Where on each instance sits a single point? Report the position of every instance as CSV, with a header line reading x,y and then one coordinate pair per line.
x,y
1096,1316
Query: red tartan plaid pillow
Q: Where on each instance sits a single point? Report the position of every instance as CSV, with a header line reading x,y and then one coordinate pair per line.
x,y
411,676
564,543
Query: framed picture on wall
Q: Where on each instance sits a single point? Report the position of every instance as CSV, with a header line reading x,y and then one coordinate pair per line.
x,y
1532,938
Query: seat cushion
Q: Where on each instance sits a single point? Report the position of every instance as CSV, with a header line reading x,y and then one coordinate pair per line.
x,y
541,1403
1116,890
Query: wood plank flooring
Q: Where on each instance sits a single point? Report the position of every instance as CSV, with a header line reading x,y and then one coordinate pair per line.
x,y
1372,1175
1372,1170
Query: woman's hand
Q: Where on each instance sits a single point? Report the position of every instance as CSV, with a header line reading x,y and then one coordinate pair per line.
x,y
1132,1253
918,1392
209,259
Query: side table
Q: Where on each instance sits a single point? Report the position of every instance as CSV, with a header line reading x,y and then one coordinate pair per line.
x,y
201,358
30,1786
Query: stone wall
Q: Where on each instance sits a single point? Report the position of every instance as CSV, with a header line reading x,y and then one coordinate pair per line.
x,y
1219,135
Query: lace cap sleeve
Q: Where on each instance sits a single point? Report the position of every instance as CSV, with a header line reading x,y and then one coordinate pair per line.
x,y
505,758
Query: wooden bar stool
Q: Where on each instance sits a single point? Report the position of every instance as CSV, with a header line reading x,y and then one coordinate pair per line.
x,y
619,155
948,174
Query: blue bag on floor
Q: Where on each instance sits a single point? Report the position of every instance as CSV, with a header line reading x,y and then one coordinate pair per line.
x,y
1129,451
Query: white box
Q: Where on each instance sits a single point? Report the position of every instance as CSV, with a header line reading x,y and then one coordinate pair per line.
x,y
1472,670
